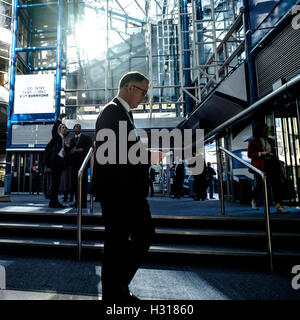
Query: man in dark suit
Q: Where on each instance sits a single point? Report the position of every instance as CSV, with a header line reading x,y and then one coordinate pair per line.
x,y
151,180
210,179
79,147
122,189
36,174
178,178
54,158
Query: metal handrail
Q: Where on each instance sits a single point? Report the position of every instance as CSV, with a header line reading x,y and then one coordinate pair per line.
x,y
267,206
89,156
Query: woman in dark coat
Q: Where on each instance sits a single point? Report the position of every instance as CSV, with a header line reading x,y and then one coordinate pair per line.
x,y
263,155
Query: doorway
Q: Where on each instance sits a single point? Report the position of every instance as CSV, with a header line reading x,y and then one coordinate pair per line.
x,y
21,164
284,127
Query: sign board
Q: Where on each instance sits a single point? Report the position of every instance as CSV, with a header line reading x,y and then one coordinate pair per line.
x,y
34,93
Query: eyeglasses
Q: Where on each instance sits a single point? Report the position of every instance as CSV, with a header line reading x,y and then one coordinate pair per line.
x,y
144,92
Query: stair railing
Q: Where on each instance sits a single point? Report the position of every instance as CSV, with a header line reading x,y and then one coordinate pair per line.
x,y
89,157
267,206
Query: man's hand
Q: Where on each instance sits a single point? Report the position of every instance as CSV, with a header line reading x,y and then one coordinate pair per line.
x,y
73,150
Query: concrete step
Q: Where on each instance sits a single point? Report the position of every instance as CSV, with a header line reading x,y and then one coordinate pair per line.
x,y
47,226
158,230
185,235
156,248
188,250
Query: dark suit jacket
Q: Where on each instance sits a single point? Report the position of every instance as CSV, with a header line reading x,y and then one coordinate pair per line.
x,y
84,142
179,171
53,147
210,173
36,172
152,174
112,181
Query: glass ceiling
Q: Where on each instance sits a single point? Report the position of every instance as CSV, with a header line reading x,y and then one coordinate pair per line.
x,y
111,21
107,38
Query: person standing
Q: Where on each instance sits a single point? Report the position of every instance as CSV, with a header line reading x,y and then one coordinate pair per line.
x,y
55,153
36,173
211,173
196,187
201,184
79,147
178,178
47,181
122,189
151,180
66,177
262,152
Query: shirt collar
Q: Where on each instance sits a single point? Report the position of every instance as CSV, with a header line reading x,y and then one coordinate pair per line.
x,y
124,103
77,136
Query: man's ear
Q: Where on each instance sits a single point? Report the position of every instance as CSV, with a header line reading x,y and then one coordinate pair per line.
x,y
130,86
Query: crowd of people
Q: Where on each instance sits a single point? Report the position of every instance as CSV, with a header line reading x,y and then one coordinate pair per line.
x,y
64,155
201,184
76,150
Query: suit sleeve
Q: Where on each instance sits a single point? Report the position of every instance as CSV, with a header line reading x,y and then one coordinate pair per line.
x,y
55,128
72,143
89,143
110,119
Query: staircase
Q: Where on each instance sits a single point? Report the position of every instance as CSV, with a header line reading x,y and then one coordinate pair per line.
x,y
177,238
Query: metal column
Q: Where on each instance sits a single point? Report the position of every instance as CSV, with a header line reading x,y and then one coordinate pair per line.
x,y
212,4
58,58
186,55
13,59
149,50
249,58
106,50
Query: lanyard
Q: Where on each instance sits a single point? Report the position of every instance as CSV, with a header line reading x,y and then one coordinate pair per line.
x,y
77,140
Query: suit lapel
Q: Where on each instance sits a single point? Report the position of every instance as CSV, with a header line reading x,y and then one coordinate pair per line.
x,y
129,117
119,104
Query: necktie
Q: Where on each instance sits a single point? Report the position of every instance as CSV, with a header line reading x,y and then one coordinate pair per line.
x,y
130,114
131,117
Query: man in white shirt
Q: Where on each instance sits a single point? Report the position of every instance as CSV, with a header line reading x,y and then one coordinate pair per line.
x,y
122,188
